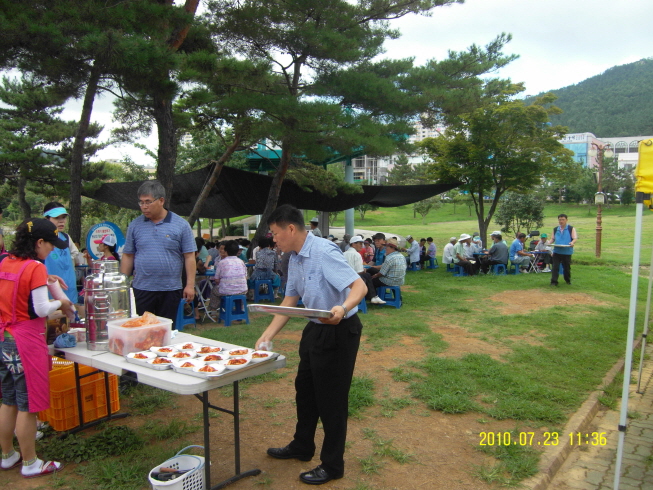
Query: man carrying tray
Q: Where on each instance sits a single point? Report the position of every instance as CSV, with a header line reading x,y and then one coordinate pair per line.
x,y
320,275
563,241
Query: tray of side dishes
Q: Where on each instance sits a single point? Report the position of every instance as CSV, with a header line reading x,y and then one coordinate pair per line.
x,y
203,361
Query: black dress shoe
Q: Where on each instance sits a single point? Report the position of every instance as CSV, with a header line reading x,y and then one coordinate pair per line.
x,y
317,476
287,453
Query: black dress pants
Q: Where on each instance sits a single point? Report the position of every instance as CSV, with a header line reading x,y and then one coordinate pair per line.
x,y
161,303
327,355
565,260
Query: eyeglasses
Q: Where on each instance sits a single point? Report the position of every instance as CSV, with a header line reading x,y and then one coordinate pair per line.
x,y
146,203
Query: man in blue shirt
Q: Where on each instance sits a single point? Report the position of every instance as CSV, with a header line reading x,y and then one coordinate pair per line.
x,y
563,241
320,275
517,255
158,245
379,249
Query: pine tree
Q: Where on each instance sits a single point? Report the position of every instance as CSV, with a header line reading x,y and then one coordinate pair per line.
x,y
31,137
327,94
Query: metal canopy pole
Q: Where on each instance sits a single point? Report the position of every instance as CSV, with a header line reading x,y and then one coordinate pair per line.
x,y
623,416
646,322
349,213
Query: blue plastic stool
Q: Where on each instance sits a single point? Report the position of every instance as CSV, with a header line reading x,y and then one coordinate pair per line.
x,y
458,271
513,268
390,294
362,306
499,269
433,263
258,296
182,319
450,268
233,308
414,266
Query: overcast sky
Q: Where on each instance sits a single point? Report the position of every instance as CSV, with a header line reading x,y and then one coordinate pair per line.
x,y
559,43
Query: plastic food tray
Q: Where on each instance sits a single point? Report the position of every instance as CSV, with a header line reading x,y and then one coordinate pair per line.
x,y
289,311
190,372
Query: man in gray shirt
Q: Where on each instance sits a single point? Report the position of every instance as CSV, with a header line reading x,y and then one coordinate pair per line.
x,y
498,253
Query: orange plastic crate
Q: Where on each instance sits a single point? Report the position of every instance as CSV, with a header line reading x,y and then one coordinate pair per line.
x,y
63,413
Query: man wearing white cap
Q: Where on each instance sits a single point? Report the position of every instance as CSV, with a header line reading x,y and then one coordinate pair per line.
x,y
459,254
354,259
413,250
314,229
448,253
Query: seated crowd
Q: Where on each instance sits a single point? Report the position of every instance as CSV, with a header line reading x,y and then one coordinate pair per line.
x,y
377,260
468,253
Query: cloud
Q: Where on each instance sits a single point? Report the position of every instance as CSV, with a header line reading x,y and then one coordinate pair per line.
x,y
560,42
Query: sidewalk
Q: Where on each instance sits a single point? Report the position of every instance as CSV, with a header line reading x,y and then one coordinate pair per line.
x,y
592,467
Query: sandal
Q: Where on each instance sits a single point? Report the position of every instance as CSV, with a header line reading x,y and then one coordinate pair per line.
x,y
47,468
19,462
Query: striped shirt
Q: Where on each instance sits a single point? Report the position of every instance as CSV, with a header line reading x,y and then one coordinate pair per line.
x,y
393,270
158,250
320,275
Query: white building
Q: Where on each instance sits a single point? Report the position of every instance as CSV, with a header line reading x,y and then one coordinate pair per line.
x,y
371,170
422,132
625,147
186,140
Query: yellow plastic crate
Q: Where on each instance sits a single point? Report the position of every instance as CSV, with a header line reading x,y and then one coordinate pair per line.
x,y
63,412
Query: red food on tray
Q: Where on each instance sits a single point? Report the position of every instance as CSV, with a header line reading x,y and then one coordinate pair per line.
x,y
161,360
259,355
207,369
236,362
207,350
213,357
181,355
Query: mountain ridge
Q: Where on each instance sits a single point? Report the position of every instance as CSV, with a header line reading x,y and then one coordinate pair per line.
x,y
614,103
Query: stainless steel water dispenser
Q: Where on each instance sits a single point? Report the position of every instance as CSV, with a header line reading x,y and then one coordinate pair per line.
x,y
106,297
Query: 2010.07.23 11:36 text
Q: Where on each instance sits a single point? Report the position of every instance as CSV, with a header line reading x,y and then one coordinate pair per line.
x,y
519,439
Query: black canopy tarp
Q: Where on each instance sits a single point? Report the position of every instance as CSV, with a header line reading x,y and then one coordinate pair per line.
x,y
238,192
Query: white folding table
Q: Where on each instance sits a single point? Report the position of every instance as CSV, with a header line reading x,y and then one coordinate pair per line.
x,y
182,384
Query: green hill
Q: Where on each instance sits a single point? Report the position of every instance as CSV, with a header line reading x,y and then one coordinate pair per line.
x,y
615,103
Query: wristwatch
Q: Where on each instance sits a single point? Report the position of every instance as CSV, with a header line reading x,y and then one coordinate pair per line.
x,y
346,310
